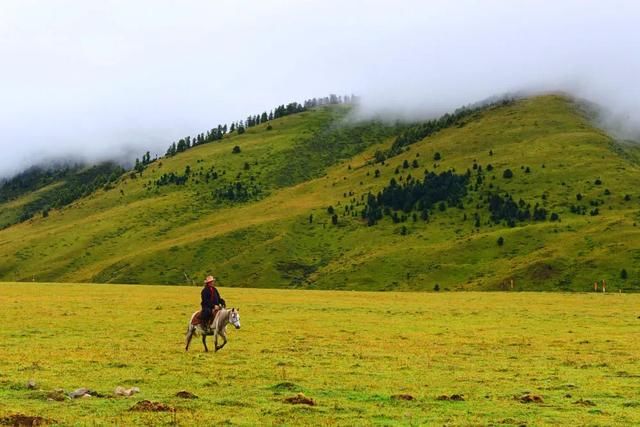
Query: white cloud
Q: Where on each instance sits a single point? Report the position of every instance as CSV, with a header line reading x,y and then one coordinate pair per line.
x,y
99,78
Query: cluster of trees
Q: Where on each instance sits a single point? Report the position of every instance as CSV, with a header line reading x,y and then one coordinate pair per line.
x,y
240,126
174,178
330,100
33,179
238,192
140,165
77,184
582,210
504,208
446,188
215,134
420,131
171,178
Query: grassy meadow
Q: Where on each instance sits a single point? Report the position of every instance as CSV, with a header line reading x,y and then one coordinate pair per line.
x,y
349,351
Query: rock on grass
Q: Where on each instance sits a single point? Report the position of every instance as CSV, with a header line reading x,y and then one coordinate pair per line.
x,y
121,391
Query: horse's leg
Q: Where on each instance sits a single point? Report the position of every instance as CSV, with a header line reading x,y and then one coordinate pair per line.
x,y
224,342
215,336
204,342
188,338
223,334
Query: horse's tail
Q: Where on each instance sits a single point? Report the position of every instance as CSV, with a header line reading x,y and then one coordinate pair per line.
x,y
189,333
190,323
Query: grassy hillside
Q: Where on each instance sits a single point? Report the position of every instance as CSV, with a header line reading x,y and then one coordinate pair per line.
x,y
263,222
349,351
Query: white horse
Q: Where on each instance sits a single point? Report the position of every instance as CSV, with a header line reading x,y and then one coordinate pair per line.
x,y
219,327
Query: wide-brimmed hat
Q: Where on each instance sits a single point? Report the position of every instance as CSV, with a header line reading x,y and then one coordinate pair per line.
x,y
209,279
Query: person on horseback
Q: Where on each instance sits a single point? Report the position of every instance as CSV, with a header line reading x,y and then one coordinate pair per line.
x,y
210,301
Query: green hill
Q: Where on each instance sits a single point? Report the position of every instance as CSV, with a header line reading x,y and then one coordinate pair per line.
x,y
260,217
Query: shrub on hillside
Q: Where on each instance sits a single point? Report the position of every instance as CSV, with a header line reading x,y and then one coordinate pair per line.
x,y
508,174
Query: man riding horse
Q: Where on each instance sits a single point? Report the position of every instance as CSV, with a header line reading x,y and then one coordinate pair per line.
x,y
210,301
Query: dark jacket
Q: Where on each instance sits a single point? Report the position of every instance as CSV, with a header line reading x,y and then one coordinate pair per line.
x,y
210,297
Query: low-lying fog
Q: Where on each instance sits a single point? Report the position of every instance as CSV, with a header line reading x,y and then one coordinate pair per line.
x,y
97,80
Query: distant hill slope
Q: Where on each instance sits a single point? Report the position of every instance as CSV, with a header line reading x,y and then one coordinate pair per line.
x,y
259,217
39,189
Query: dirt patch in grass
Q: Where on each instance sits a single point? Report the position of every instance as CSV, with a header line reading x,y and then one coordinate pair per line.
x,y
300,399
407,397
530,398
19,420
584,402
148,406
184,394
452,398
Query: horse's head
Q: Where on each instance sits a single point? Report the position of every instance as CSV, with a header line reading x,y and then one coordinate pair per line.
x,y
234,317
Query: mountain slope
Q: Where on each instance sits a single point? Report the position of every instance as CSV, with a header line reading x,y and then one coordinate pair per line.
x,y
264,222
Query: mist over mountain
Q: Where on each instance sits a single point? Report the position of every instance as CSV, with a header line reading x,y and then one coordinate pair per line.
x,y
113,80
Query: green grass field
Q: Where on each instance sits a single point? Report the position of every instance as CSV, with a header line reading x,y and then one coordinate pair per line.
x,y
350,351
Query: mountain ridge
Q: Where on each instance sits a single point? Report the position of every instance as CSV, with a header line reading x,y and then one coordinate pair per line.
x,y
139,232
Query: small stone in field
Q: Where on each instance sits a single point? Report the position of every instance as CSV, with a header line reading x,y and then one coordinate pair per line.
x,y
121,391
31,384
80,392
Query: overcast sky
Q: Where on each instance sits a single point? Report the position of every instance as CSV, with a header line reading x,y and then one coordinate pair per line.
x,y
112,77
